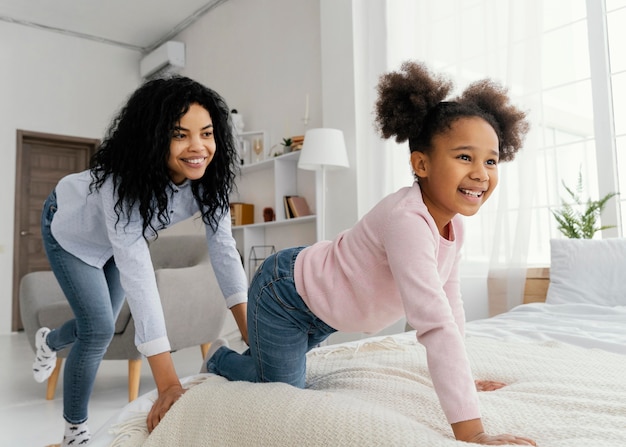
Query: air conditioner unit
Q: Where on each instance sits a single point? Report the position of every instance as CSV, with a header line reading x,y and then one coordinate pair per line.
x,y
166,59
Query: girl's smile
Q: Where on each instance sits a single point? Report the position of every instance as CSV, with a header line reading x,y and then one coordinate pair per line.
x,y
460,171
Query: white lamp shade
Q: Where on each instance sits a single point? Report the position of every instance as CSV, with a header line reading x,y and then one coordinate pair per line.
x,y
323,147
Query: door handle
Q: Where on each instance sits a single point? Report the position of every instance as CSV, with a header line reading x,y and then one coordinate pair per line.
x,y
25,233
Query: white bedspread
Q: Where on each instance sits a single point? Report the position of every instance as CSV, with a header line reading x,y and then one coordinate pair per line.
x,y
379,393
586,325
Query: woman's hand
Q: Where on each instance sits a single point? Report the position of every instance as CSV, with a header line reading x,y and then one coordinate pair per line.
x,y
168,386
164,402
488,385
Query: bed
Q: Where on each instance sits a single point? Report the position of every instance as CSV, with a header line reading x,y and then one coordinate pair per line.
x,y
564,361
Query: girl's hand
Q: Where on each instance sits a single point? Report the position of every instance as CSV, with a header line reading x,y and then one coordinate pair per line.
x,y
484,438
164,402
488,385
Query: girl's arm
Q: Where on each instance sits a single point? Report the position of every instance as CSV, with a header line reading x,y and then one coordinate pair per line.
x,y
168,387
473,431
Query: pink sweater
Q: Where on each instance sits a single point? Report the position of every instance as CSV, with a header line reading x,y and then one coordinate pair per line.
x,y
394,263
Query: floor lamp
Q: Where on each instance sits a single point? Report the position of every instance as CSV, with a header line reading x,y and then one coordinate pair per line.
x,y
323,149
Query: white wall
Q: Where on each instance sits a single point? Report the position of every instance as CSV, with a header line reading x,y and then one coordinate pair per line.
x,y
53,83
263,56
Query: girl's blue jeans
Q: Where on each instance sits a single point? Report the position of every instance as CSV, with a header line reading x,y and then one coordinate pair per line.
x,y
96,297
281,328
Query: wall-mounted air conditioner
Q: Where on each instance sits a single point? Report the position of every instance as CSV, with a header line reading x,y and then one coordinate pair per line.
x,y
166,59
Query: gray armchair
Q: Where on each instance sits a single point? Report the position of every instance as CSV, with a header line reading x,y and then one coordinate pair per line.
x,y
192,302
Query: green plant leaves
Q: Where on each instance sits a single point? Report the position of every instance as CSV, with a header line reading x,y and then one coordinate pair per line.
x,y
577,219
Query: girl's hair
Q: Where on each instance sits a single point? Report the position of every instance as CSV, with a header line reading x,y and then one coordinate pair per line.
x,y
412,106
135,151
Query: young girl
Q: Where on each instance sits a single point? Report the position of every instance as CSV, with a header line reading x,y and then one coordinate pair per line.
x,y
167,155
401,258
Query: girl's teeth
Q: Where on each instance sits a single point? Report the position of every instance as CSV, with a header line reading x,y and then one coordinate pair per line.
x,y
471,193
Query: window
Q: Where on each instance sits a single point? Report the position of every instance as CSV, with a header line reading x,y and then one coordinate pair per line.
x,y
541,51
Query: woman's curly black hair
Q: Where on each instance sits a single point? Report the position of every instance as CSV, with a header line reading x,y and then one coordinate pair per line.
x,y
412,106
135,151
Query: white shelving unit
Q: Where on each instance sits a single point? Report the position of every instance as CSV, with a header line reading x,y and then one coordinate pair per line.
x,y
264,184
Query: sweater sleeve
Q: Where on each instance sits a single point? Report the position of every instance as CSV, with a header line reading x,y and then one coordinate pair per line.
x,y
412,243
452,287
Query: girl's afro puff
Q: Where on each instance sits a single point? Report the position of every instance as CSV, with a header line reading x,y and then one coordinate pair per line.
x,y
412,106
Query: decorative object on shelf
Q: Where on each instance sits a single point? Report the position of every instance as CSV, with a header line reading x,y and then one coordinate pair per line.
x,y
305,119
323,149
268,214
244,150
286,144
237,125
241,213
296,206
237,121
257,146
578,220
248,139
258,254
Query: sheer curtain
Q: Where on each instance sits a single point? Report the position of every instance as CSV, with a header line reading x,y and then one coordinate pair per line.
x,y
538,50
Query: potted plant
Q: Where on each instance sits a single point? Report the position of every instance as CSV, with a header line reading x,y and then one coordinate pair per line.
x,y
578,220
286,143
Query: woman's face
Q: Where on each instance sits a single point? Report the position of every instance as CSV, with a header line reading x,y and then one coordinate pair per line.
x,y
460,172
192,145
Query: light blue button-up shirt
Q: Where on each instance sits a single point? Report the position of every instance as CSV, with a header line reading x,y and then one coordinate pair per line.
x,y
85,226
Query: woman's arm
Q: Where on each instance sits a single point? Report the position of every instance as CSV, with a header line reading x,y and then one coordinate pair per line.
x,y
228,268
168,387
240,313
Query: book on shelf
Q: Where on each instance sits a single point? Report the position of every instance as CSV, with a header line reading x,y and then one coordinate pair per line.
x,y
288,214
241,213
296,206
296,142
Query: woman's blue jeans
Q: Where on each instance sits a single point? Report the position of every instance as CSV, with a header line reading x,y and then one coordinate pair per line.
x,y
96,297
281,328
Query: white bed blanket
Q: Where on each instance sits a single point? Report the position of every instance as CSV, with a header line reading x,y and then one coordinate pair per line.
x,y
379,393
580,324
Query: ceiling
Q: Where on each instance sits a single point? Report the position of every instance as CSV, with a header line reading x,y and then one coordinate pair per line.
x,y
136,24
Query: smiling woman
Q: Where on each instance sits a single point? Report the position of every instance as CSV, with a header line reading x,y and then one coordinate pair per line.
x,y
192,146
168,155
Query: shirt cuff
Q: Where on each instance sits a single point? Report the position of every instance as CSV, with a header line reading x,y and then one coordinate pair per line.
x,y
154,347
237,298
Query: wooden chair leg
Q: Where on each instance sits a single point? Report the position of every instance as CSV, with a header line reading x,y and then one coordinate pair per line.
x,y
53,379
134,374
204,348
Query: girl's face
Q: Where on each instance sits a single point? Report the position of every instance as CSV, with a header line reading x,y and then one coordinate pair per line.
x,y
192,145
460,172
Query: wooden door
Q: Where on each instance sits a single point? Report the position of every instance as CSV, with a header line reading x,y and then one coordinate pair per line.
x,y
42,159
